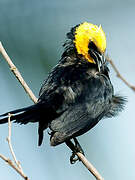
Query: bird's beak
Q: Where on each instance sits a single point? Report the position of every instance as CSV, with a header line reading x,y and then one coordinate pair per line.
x,y
99,59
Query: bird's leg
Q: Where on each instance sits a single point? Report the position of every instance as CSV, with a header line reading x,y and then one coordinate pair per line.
x,y
78,146
75,148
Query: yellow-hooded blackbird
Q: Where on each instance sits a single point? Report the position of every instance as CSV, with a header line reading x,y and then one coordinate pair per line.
x,y
77,93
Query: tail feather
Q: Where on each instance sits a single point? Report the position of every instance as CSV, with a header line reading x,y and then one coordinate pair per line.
x,y
40,139
26,117
23,115
17,111
33,113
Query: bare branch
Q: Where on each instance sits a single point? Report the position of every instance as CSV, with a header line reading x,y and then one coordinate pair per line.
x,y
87,164
118,74
13,166
16,166
17,74
10,144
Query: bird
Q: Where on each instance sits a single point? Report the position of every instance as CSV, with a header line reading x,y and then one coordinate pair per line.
x,y
77,92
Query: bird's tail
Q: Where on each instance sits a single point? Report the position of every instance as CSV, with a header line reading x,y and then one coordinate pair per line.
x,y
23,115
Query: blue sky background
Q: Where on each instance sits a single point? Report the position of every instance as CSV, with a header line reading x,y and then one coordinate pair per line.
x,y
33,33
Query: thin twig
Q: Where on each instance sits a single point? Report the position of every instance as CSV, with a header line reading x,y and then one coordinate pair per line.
x,y
13,166
17,167
87,164
10,144
118,73
17,74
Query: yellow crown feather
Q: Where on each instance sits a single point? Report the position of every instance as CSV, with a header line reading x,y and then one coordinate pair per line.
x,y
84,34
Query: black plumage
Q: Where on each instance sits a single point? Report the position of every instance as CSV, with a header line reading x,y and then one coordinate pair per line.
x,y
75,96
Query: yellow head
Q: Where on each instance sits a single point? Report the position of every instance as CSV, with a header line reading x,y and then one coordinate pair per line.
x,y
86,33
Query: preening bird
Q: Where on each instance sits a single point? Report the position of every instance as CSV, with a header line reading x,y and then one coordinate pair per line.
x,y
77,93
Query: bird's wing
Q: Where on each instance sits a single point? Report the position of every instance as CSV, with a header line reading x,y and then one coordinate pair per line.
x,y
74,119
89,108
57,90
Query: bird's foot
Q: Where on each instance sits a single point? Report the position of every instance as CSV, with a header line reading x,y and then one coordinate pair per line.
x,y
75,149
73,158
